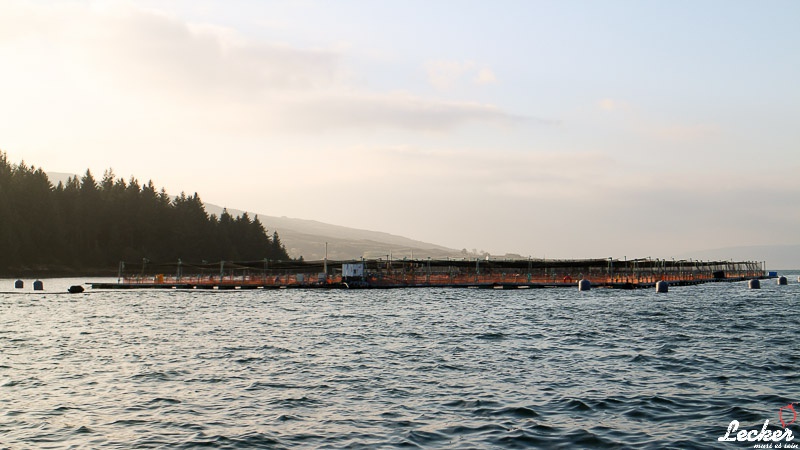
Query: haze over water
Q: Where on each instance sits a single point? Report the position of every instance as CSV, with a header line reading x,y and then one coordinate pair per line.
x,y
452,368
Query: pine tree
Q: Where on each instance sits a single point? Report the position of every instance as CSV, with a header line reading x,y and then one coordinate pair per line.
x,y
86,224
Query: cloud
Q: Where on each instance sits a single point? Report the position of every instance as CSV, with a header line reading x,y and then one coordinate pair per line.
x,y
658,129
151,50
446,74
497,172
126,67
485,76
610,104
684,133
396,110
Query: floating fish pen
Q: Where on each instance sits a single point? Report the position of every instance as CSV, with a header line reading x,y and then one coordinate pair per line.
x,y
407,273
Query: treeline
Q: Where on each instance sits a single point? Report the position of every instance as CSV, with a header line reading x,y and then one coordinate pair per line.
x,y
91,224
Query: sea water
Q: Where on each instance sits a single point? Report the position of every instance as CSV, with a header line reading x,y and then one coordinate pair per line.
x,y
424,368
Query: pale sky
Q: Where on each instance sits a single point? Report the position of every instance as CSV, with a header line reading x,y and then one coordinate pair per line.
x,y
543,128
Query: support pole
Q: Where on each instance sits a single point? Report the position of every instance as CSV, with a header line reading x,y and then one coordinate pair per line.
x,y
429,270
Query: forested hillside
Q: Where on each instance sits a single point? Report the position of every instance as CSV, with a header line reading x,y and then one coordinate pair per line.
x,y
87,223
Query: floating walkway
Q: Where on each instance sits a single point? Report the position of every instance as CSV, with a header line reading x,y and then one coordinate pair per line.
x,y
450,273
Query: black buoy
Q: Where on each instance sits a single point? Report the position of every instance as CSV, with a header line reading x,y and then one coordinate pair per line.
x,y
754,284
77,289
584,284
662,287
782,281
19,284
38,285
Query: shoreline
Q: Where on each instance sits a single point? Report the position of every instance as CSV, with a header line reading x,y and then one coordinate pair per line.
x,y
55,272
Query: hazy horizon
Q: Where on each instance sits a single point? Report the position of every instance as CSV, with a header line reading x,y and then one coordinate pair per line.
x,y
557,129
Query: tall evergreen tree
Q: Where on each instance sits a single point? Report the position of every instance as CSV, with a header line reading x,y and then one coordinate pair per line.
x,y
88,224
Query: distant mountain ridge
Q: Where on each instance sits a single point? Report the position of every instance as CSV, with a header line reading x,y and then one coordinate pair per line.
x,y
307,238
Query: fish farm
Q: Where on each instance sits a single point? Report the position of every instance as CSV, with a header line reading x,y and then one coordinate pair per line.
x,y
452,273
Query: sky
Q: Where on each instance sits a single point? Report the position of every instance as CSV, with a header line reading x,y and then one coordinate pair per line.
x,y
543,128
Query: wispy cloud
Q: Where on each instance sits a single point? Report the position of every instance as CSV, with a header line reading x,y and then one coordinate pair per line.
x,y
610,104
657,129
396,110
485,76
502,172
133,60
683,133
446,74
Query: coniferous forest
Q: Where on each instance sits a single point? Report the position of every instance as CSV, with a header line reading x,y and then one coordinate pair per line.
x,y
87,225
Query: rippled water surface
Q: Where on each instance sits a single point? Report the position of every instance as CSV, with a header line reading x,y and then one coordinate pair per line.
x,y
453,368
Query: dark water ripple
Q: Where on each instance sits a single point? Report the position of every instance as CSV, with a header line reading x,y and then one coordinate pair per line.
x,y
551,368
